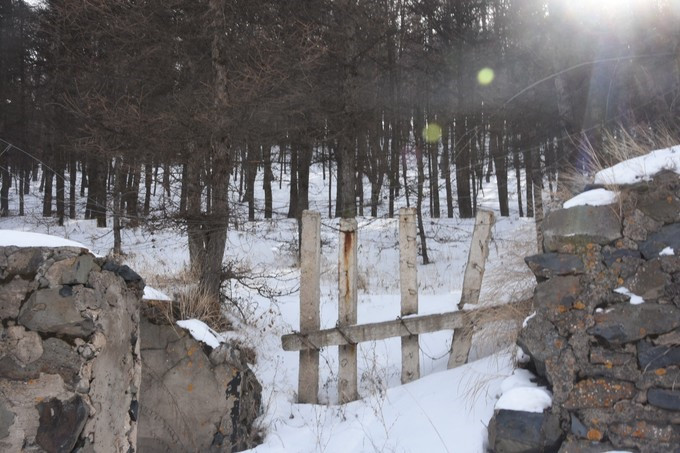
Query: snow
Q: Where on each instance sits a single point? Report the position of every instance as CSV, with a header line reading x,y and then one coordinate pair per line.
x,y
151,293
595,197
201,332
527,319
668,251
30,239
641,168
634,299
441,412
525,399
445,410
519,393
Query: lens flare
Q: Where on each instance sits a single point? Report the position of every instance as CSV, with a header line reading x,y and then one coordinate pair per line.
x,y
432,133
485,76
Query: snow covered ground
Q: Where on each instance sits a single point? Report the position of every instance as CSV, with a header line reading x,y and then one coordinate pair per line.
x,y
444,411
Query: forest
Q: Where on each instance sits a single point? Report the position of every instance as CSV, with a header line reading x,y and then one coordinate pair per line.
x,y
195,98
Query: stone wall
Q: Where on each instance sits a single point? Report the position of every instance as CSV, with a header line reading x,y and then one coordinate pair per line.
x,y
69,352
193,398
82,371
606,335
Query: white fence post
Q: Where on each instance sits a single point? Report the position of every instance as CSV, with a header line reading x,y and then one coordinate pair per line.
x,y
310,295
347,309
408,282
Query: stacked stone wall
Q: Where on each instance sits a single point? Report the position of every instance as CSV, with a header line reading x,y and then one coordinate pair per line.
x,y
70,368
86,366
606,335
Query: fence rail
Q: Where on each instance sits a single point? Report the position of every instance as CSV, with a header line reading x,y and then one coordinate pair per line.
x,y
347,333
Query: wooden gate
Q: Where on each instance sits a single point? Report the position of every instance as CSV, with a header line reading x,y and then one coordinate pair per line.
x,y
347,333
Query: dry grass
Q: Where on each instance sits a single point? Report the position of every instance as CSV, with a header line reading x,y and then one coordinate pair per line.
x,y
617,147
190,302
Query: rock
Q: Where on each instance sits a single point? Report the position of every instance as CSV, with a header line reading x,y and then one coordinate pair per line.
x,y
540,340
80,271
625,322
131,277
599,393
560,370
605,356
665,399
572,445
177,372
58,357
556,296
611,255
6,418
60,423
661,205
524,432
649,282
28,345
668,236
549,265
580,225
54,311
25,262
647,436
637,225
652,357
12,294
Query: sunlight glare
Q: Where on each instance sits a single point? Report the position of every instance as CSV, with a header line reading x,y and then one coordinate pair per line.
x,y
432,133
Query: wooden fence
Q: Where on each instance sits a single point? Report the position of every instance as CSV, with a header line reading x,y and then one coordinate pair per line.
x,y
347,333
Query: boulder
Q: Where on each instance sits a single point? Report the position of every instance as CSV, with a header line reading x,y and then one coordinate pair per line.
x,y
580,225
54,311
524,432
180,382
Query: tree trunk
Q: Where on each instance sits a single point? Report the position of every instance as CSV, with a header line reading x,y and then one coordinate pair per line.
x,y
267,181
446,169
499,157
462,161
73,172
148,182
293,193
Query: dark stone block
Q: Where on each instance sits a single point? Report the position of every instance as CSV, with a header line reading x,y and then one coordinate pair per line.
x,y
556,296
612,256
668,236
524,432
541,341
649,281
579,226
625,322
653,357
131,277
665,399
550,264
60,424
